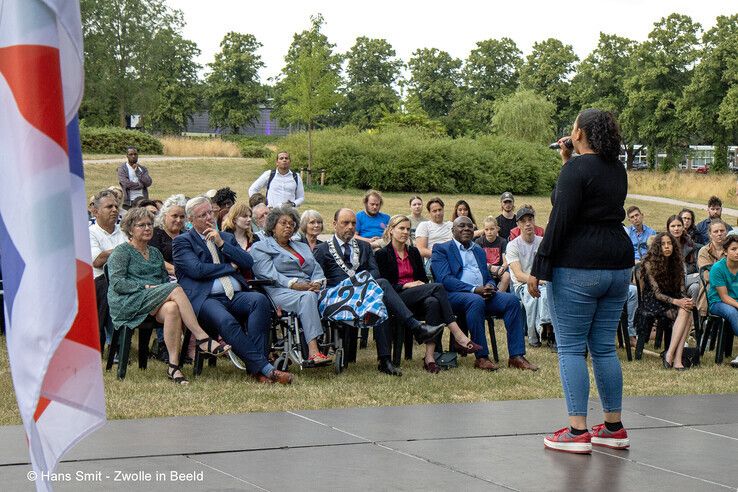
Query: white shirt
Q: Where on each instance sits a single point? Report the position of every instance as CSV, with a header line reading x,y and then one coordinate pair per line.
x,y
133,177
101,241
436,233
283,188
522,252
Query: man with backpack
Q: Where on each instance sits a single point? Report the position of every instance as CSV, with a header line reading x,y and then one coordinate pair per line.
x,y
283,186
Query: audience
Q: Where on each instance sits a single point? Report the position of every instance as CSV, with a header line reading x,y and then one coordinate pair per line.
x,y
462,209
506,220
433,231
690,230
140,286
224,198
723,292
494,247
708,256
298,279
515,232
370,222
416,215
256,199
460,265
402,266
168,224
675,227
260,211
134,178
283,186
663,293
311,226
238,223
638,232
714,211
520,254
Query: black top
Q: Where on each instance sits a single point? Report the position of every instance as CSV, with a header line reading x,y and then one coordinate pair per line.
x,y
494,250
161,241
506,225
585,229
387,263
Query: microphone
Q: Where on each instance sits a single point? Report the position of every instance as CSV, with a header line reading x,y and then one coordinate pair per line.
x,y
567,144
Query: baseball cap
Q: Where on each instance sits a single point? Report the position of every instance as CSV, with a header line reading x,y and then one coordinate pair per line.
x,y
523,212
507,196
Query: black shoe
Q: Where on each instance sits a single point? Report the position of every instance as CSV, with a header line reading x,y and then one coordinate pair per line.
x,y
386,366
425,333
553,347
535,344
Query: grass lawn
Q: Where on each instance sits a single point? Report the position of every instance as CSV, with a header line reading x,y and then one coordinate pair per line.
x,y
226,390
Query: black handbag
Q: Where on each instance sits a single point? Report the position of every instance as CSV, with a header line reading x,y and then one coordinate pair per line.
x,y
446,360
691,357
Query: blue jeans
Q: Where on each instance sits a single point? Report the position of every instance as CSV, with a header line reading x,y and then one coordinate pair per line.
x,y
585,308
727,312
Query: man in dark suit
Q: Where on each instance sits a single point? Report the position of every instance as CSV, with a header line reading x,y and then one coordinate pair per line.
x,y
461,266
207,264
358,256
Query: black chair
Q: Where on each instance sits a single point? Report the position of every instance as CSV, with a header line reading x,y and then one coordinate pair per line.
x,y
713,328
623,336
644,321
2,300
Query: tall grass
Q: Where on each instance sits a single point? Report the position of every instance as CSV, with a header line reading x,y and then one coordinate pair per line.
x,y
189,147
688,186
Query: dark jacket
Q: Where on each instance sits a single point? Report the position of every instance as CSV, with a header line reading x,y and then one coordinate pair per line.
x,y
333,273
387,264
144,181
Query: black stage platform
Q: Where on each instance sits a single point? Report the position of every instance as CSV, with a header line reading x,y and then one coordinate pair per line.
x,y
678,443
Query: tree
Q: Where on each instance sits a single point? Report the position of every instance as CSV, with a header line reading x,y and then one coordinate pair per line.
x,y
233,89
372,72
136,61
435,79
492,69
713,90
525,115
547,71
600,83
309,88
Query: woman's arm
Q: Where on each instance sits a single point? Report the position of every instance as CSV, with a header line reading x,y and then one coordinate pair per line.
x,y
725,297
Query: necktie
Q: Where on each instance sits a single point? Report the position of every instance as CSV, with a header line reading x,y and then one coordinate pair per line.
x,y
225,281
347,253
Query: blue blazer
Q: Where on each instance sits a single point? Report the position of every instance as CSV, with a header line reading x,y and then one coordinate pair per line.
x,y
447,266
194,267
271,261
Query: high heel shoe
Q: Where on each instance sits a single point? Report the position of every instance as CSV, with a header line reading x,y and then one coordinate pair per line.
x,y
218,350
667,365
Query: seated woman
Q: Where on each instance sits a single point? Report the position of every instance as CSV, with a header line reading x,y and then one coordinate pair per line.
x,y
416,215
139,286
690,230
238,223
298,277
462,209
402,266
168,224
311,226
663,293
709,255
675,226
723,291
432,231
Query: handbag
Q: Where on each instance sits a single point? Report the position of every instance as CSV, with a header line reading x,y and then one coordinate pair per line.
x,y
691,357
446,360
357,300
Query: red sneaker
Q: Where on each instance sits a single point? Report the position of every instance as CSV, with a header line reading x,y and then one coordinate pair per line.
x,y
615,440
564,440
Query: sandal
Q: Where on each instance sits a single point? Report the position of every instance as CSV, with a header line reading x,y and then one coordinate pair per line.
x,y
173,368
319,359
218,350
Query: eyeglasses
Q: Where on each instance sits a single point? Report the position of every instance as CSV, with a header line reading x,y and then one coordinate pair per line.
x,y
146,225
204,214
287,223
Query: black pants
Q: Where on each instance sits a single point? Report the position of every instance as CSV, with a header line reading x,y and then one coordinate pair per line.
x,y
103,311
429,302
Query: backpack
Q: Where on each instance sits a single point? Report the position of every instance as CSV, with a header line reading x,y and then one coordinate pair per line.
x,y
269,182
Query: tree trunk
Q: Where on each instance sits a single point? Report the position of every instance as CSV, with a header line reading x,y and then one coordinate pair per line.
x,y
310,153
122,111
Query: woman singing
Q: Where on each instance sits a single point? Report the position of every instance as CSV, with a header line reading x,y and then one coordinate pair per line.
x,y
586,257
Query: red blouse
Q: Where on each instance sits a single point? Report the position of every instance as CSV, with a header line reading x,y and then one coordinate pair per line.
x,y
300,258
404,269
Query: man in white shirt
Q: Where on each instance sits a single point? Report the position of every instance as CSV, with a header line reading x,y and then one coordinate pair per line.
x,y
283,186
520,254
105,235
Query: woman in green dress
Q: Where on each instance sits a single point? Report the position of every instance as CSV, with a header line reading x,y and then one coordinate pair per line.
x,y
139,287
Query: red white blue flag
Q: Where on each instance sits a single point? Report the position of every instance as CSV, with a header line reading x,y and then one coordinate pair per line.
x,y
52,332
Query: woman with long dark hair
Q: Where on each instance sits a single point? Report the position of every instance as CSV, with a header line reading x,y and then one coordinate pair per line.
x,y
663,293
462,209
690,230
586,257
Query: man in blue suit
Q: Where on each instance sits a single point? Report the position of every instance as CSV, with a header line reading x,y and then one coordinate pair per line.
x,y
207,264
461,266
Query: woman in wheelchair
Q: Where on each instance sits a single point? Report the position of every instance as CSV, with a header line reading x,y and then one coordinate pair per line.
x,y
402,266
298,277
238,223
663,293
139,286
723,292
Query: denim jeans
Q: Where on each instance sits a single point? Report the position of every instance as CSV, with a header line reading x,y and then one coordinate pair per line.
x,y
536,311
585,308
727,312
632,306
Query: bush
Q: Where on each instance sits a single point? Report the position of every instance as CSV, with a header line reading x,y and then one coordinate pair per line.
x,y
253,149
407,159
111,140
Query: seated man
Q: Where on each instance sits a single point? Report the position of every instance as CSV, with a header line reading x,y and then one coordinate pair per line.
x,y
259,215
715,212
638,232
370,222
208,266
460,265
520,254
357,256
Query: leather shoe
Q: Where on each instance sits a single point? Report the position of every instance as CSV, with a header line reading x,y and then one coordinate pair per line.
x,y
425,333
386,366
486,364
469,349
280,377
260,378
521,362
431,367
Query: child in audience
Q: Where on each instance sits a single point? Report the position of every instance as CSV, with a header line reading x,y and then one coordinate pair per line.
x,y
723,290
494,247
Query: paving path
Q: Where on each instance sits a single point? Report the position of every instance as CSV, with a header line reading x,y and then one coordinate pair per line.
x,y
679,203
144,159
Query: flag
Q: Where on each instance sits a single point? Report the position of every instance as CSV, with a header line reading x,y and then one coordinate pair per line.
x,y
51,319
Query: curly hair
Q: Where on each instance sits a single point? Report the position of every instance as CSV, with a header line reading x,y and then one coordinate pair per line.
x,y
171,202
667,271
468,208
224,195
278,212
602,132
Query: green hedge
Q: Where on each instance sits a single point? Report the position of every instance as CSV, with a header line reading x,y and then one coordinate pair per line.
x,y
111,140
253,149
412,160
